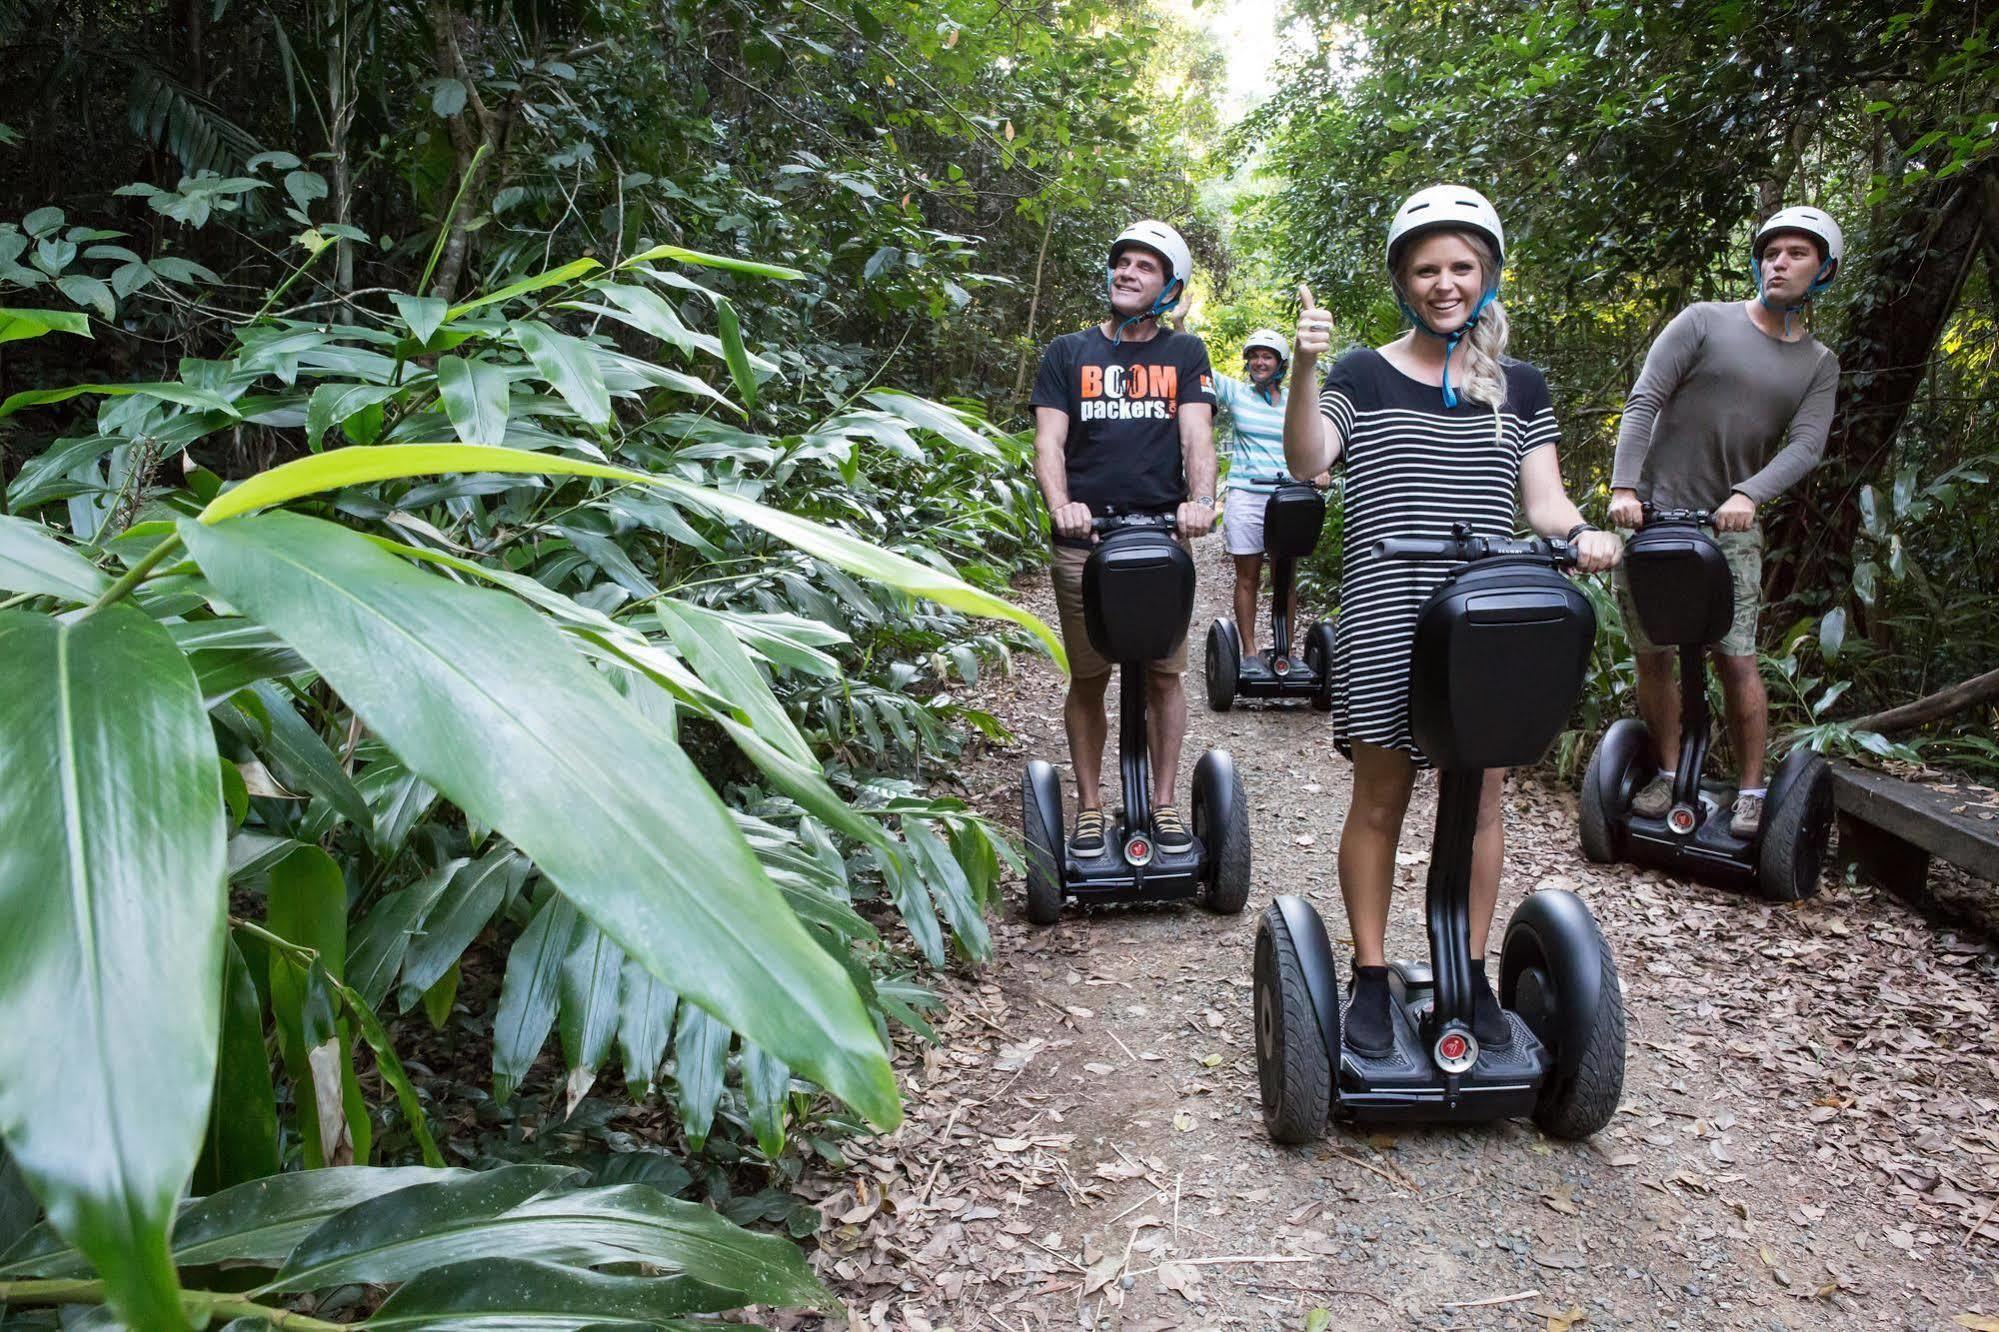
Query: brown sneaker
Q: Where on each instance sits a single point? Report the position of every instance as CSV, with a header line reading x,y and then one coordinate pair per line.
x,y
1088,840
1655,798
1747,819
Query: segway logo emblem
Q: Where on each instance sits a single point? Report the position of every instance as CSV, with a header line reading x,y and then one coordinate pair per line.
x,y
1138,851
1455,1051
1681,820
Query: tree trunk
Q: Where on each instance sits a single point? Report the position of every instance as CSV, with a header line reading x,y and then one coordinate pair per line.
x,y
341,101
1033,308
1932,707
1892,326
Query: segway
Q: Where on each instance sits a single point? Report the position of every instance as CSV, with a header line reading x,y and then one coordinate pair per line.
x,y
1138,594
1685,597
1292,518
1499,657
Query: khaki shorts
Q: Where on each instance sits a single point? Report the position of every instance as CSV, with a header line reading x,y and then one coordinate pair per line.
x,y
1744,553
1085,662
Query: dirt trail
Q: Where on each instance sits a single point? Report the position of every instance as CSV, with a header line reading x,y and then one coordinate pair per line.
x,y
1809,1136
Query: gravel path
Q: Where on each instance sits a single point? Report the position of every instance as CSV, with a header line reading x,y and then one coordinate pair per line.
x,y
1809,1136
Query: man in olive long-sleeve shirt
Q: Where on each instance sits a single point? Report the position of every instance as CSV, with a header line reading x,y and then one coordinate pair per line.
x,y
1731,410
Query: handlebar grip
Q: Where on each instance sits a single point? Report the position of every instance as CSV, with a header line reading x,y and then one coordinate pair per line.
x,y
1418,548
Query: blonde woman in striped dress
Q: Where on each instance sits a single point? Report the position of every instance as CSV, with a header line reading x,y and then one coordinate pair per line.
x,y
1434,428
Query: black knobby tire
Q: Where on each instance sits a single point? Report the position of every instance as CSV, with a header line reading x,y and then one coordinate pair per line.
x,y
1791,855
1593,811
1319,656
1044,859
1226,841
1292,1069
1222,668
1580,1104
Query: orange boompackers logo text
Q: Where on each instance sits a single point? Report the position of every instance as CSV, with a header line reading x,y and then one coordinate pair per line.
x,y
1130,393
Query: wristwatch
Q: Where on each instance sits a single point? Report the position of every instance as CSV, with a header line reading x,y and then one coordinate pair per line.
x,y
1206,501
1578,530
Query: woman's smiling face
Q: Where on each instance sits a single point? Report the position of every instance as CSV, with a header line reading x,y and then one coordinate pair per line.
x,y
1443,278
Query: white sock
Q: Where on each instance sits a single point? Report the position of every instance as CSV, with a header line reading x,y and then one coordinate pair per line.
x,y
1753,790
1669,773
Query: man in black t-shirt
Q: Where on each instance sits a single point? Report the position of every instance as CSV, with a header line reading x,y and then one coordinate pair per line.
x,y
1124,417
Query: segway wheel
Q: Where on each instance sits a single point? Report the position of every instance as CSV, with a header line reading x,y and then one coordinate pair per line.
x,y
1221,822
1792,850
1224,664
1292,1069
1557,973
1042,825
1604,784
1319,656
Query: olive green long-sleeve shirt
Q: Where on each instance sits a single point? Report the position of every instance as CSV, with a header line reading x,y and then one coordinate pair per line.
x,y
1722,406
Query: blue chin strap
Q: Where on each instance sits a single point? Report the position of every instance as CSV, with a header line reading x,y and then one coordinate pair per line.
x,y
1160,304
1450,340
1820,281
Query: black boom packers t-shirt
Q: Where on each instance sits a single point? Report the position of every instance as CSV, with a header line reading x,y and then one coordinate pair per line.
x,y
1123,401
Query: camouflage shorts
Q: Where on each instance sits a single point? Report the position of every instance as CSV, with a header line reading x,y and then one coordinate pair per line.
x,y
1744,552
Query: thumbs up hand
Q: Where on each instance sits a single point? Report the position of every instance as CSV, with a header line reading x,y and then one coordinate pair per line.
x,y
1315,327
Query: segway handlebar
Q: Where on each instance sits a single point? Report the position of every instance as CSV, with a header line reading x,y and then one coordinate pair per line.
x,y
1461,547
1277,479
1106,523
1698,516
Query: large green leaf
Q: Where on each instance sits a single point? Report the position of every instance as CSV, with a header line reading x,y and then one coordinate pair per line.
x,y
32,560
306,904
645,1025
17,325
476,397
259,1222
180,393
262,1222
725,665
348,467
948,884
766,1090
530,993
733,351
474,895
705,260
243,1127
111,929
568,365
554,277
590,984
510,1294
486,701
302,760
382,940
700,1058
507,1213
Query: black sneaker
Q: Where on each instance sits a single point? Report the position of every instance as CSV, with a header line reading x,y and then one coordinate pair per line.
x,y
1488,1019
1169,833
1089,838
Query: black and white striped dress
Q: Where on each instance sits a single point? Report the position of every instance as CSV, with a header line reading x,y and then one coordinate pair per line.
x,y
1412,467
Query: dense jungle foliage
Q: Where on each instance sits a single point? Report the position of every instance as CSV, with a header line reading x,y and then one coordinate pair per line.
x,y
518,491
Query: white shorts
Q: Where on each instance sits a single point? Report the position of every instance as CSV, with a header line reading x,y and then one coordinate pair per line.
x,y
1242,521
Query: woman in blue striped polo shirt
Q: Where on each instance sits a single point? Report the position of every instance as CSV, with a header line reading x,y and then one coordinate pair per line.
x,y
1256,411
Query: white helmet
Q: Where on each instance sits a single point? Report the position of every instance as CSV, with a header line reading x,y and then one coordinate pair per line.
x,y
1165,242
1271,340
1809,222
1454,206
